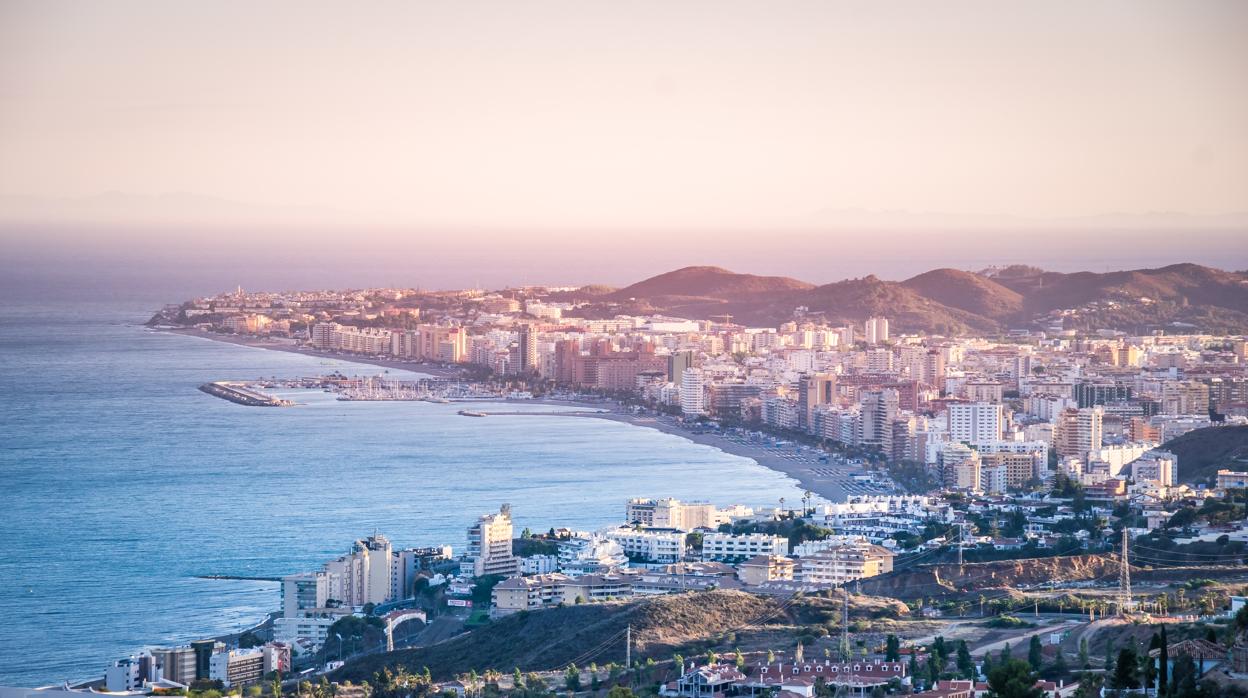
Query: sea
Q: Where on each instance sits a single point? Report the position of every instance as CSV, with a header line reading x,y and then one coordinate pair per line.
x,y
120,482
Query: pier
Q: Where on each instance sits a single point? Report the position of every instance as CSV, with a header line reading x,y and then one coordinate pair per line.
x,y
243,396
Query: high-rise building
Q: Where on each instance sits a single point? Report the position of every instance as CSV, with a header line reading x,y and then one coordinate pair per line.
x,y
692,392
363,575
677,362
528,349
1078,431
975,422
813,390
489,546
876,330
879,411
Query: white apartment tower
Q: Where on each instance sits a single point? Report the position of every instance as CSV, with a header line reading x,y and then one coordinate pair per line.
x,y
876,330
692,393
362,576
489,546
975,423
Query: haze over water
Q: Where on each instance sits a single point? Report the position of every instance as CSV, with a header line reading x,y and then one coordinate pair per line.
x,y
121,482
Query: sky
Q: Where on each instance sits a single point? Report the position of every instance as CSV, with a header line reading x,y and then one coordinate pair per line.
x,y
581,140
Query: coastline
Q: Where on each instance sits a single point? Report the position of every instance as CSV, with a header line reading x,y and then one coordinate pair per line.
x,y
770,458
431,370
773,459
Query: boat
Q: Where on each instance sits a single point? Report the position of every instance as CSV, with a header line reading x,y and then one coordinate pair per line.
x,y
471,413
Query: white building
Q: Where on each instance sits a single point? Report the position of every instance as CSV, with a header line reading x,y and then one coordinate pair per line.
x,y
728,547
489,546
363,576
876,330
692,392
649,545
975,422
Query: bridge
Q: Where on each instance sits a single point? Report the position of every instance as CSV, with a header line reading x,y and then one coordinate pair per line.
x,y
396,618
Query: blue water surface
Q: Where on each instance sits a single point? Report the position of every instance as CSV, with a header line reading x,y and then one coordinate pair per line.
x,y
119,482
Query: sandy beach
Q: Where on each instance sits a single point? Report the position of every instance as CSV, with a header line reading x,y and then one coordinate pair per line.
x,y
831,481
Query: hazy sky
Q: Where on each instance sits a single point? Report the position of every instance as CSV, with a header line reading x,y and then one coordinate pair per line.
x,y
545,118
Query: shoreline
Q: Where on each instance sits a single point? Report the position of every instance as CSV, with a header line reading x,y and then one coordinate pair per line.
x,y
802,472
771,459
431,370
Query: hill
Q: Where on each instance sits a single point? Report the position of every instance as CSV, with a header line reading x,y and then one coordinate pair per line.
x,y
1203,451
1184,297
552,638
709,282
856,300
967,291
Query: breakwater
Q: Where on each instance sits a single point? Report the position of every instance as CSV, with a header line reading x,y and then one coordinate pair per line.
x,y
243,396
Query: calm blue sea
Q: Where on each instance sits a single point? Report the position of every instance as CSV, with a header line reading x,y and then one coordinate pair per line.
x,y
119,482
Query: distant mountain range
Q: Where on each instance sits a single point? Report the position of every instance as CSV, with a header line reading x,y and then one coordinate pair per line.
x,y
1179,297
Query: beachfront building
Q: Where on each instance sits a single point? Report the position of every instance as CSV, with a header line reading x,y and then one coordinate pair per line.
x,y
737,547
668,513
692,392
363,575
489,546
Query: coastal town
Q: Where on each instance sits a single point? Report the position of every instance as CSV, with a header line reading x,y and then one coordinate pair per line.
x,y
1045,487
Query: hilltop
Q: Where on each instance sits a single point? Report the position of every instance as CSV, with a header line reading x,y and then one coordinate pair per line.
x,y
1179,297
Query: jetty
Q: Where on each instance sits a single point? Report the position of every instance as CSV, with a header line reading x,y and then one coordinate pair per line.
x,y
241,395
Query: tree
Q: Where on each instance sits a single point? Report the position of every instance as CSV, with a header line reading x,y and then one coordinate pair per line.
x,y
966,665
517,679
933,670
892,648
913,669
1013,679
620,692
1163,669
1058,668
572,678
1183,678
679,661
276,686
986,667
1084,661
1126,670
771,657
1005,653
1089,685
1035,653
740,660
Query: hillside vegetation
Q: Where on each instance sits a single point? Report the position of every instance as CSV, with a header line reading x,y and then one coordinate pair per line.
x,y
551,638
1203,451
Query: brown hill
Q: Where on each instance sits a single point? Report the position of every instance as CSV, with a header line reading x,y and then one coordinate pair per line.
x,y
856,300
967,291
709,282
1184,284
949,301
